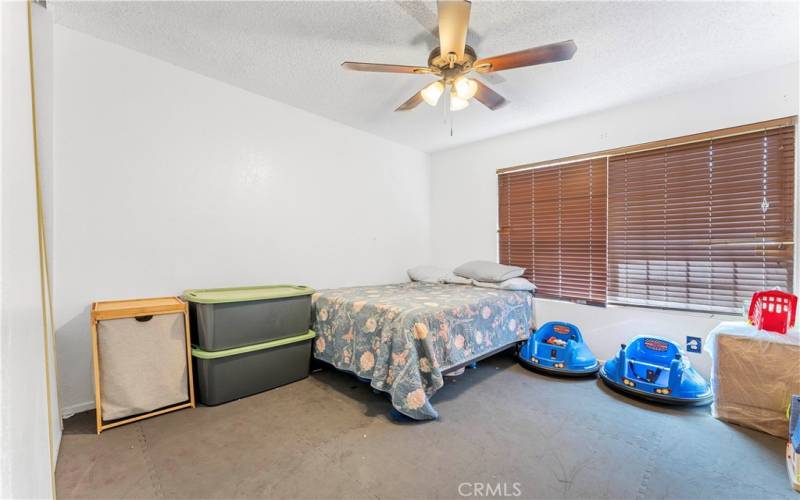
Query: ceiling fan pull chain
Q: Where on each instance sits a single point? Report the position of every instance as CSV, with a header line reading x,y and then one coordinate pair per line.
x,y
451,121
445,105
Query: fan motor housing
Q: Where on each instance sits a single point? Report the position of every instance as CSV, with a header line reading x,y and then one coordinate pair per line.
x,y
437,61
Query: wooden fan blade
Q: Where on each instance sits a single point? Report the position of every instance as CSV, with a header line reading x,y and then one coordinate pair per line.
x,y
411,103
385,68
453,26
488,97
554,52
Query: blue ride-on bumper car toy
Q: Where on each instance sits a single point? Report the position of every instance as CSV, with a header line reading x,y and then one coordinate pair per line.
x,y
655,369
558,348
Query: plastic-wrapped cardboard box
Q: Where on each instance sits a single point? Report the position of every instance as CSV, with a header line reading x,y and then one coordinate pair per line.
x,y
754,374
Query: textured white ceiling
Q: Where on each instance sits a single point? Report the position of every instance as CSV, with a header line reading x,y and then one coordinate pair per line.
x,y
291,52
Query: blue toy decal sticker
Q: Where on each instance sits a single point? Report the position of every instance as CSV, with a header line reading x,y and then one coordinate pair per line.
x,y
655,345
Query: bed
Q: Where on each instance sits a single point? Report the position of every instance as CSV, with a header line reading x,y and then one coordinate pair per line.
x,y
403,337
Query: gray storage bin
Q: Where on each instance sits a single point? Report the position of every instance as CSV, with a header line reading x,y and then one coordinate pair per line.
x,y
225,318
223,376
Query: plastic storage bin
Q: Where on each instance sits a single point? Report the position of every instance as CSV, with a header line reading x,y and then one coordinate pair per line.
x,y
773,311
225,318
223,376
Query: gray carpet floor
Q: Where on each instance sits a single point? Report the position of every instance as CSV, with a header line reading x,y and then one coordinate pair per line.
x,y
502,429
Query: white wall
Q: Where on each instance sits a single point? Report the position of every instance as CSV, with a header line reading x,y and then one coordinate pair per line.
x,y
168,180
464,186
25,469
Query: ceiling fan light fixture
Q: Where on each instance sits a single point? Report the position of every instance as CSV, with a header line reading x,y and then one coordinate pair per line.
x,y
453,59
465,88
433,92
457,103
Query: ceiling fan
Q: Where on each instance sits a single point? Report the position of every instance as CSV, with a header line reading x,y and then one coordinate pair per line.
x,y
453,60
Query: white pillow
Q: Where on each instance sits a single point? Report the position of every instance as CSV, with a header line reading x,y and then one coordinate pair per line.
x,y
509,284
428,274
491,272
433,274
452,279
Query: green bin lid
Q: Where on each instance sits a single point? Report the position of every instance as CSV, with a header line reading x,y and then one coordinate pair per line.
x,y
245,293
199,353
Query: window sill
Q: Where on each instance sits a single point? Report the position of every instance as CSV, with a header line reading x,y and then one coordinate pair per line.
x,y
676,312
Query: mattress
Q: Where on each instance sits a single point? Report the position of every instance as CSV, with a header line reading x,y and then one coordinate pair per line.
x,y
402,337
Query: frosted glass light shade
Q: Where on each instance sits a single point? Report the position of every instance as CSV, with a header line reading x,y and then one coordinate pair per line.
x,y
465,87
457,103
433,92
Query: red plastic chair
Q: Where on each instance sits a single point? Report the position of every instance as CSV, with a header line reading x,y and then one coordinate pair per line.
x,y
773,310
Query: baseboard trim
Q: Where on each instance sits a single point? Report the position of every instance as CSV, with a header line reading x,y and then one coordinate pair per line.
x,y
71,410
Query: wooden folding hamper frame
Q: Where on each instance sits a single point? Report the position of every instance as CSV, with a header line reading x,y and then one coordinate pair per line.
x,y
117,309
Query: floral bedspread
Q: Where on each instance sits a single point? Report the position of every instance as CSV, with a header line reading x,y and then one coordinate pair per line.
x,y
402,336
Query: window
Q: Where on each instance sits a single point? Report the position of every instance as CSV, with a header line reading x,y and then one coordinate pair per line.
x,y
695,223
553,223
702,226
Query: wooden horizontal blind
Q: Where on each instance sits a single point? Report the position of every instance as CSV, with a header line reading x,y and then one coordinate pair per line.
x,y
553,223
702,226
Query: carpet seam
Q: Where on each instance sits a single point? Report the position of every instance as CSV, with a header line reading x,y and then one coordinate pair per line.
x,y
651,463
155,481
